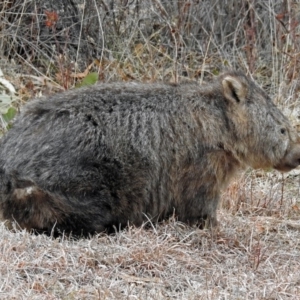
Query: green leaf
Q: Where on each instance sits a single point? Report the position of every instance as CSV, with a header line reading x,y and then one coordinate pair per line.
x,y
89,79
226,63
5,102
215,72
11,112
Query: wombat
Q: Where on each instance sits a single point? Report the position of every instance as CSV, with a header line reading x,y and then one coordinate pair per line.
x,y
99,158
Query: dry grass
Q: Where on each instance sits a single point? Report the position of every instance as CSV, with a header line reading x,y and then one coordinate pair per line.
x,y
246,258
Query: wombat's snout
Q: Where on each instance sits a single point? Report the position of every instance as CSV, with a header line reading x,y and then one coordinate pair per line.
x,y
291,159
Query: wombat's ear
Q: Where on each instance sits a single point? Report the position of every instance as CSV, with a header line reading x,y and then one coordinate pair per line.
x,y
234,89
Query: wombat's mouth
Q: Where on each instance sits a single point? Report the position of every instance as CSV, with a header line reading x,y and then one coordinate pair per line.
x,y
291,160
286,167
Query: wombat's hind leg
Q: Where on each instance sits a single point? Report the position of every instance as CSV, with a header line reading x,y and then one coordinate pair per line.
x,y
30,207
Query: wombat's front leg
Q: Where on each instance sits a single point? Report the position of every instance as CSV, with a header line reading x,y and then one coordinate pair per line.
x,y
208,222
204,221
204,215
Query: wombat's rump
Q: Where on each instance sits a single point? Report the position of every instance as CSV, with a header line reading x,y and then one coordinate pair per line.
x,y
112,154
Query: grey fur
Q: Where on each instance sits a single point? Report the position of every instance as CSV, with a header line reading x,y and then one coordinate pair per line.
x,y
90,159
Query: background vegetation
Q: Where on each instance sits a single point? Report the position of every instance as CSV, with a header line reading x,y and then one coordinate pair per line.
x,y
51,46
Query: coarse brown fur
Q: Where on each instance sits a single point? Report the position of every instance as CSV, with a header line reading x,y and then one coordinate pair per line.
x,y
90,159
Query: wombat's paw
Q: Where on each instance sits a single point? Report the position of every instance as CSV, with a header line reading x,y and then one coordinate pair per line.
x,y
207,223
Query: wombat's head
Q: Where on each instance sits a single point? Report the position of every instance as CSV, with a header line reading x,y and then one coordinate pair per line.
x,y
264,137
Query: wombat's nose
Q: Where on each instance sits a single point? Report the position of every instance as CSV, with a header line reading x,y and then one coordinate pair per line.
x,y
291,160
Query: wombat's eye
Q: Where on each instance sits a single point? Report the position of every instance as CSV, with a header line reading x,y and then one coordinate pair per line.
x,y
282,130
